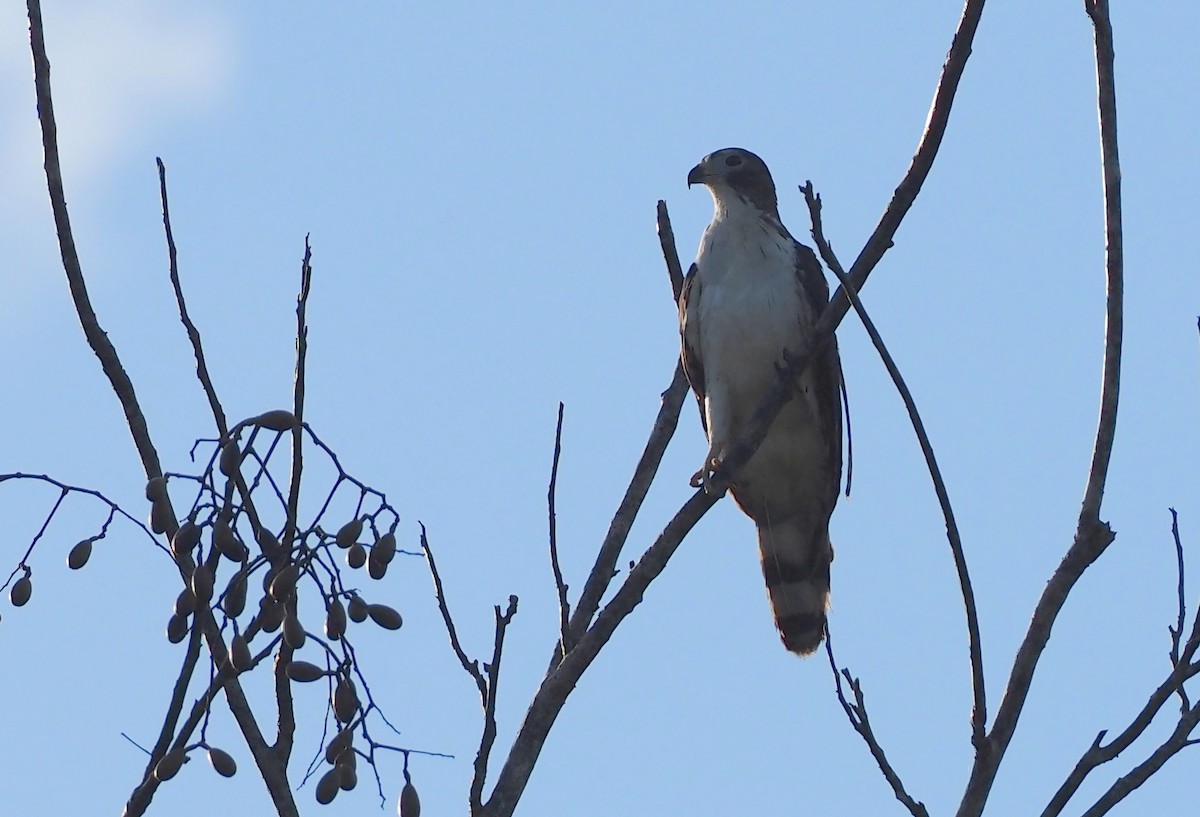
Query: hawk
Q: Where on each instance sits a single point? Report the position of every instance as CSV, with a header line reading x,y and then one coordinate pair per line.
x,y
753,294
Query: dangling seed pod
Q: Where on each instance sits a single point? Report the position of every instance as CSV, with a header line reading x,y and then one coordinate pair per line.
x,y
162,518
21,590
239,654
339,745
284,583
303,672
385,548
185,603
156,489
293,631
410,804
277,420
347,774
335,620
231,458
235,595
80,554
227,542
356,556
177,628
202,583
385,616
376,568
348,534
268,544
185,538
170,765
357,609
328,786
270,614
345,700
222,762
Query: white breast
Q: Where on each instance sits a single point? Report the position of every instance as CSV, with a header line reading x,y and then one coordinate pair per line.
x,y
750,302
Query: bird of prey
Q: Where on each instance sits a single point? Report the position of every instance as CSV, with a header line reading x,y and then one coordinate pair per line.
x,y
754,293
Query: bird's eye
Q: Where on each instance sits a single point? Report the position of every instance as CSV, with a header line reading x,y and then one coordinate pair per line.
x,y
733,161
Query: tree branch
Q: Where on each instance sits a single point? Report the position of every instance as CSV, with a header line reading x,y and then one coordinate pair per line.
x,y
979,710
564,606
1092,536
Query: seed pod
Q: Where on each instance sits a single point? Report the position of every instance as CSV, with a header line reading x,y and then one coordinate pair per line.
x,y
385,548
80,554
186,538
376,568
177,628
222,762
303,672
293,631
202,583
410,804
356,556
235,595
357,608
335,620
277,420
347,775
231,458
347,760
239,654
284,583
339,745
21,590
385,616
170,765
156,489
162,518
268,543
227,542
348,534
345,700
270,614
185,603
328,786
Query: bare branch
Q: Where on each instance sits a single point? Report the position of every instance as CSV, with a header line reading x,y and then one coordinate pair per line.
x,y
856,713
1092,536
192,333
979,710
1177,630
469,666
489,709
564,606
660,435
110,362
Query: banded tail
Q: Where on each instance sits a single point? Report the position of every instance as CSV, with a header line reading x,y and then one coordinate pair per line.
x,y
796,555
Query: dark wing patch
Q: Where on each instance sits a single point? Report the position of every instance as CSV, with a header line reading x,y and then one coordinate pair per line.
x,y
689,333
826,370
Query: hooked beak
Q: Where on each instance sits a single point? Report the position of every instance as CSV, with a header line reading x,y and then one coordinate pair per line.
x,y
696,175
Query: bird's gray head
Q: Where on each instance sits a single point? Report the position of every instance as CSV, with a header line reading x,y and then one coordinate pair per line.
x,y
737,172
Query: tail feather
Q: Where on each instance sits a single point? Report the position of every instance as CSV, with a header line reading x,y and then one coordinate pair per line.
x,y
795,560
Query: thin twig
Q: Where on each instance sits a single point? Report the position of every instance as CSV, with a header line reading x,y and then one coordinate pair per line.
x,y
192,333
666,240
856,713
469,666
1177,630
979,710
564,606
489,709
1092,536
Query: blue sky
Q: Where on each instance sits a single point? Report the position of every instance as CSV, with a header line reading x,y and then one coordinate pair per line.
x,y
479,184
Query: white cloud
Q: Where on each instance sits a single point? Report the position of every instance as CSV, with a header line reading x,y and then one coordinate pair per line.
x,y
121,71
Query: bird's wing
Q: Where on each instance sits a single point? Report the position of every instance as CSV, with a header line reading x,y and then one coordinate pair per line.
x,y
826,370
689,331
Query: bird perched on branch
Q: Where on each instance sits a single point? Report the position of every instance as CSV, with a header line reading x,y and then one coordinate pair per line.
x,y
754,293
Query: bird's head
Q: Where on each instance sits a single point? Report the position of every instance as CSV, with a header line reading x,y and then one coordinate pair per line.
x,y
731,172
